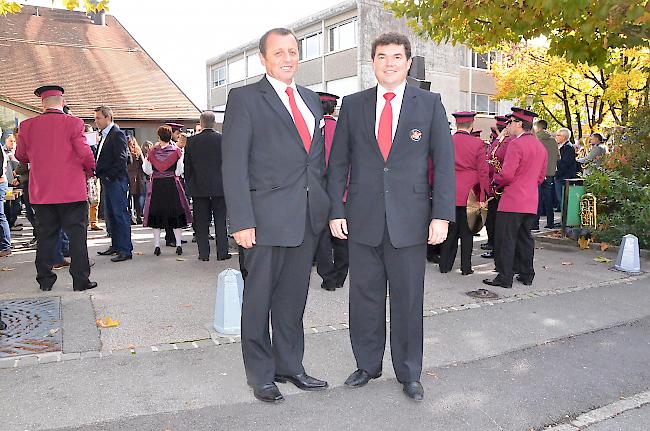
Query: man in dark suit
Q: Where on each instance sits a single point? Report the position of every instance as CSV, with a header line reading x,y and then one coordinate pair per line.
x,y
203,179
273,179
567,166
384,139
59,197
112,158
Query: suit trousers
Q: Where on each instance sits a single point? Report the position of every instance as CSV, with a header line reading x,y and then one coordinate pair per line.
x,y
72,218
205,209
515,246
403,269
116,207
277,283
332,259
546,190
490,220
457,230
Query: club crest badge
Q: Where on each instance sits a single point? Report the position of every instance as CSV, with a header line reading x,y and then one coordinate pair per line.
x,y
416,135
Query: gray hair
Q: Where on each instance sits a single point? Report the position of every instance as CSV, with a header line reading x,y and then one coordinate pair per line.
x,y
565,132
207,120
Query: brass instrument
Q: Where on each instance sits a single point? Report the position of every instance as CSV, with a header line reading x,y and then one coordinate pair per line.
x,y
496,164
588,214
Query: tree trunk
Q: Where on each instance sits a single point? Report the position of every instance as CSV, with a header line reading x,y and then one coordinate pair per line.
x,y
567,112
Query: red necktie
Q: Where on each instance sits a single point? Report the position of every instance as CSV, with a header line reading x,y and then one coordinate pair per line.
x,y
301,125
385,131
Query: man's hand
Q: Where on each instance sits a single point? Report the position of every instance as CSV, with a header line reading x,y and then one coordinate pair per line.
x,y
245,238
437,231
339,228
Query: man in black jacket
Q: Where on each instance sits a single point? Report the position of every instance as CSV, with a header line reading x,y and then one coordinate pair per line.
x,y
112,158
204,183
567,167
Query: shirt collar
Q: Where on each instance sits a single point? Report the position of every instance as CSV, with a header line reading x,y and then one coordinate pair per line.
x,y
279,86
399,91
107,129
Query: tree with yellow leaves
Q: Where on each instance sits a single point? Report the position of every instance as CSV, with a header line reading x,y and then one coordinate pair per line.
x,y
10,6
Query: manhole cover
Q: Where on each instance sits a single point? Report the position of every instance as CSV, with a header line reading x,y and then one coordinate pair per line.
x,y
33,326
482,294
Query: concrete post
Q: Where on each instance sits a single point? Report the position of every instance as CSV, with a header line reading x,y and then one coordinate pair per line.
x,y
628,255
227,307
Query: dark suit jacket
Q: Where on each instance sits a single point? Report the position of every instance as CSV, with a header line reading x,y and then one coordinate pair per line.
x,y
269,180
395,192
112,161
203,164
567,167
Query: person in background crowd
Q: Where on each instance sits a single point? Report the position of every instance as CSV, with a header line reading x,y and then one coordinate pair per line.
x,y
547,188
524,169
332,253
594,158
112,158
471,175
22,170
165,206
5,233
567,167
177,131
93,205
60,201
136,179
12,207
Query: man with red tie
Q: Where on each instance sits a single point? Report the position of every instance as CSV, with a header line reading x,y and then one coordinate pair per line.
x,y
384,139
471,174
496,153
59,200
273,179
524,169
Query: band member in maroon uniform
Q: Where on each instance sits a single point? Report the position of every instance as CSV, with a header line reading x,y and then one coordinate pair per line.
x,y
471,174
524,169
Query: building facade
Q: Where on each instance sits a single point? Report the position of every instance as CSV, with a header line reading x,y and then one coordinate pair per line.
x,y
335,47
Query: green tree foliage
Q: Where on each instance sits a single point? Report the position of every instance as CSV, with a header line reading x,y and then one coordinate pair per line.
x,y
582,31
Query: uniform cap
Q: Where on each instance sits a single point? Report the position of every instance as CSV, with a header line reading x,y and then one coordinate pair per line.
x,y
502,120
48,91
464,116
327,96
523,114
174,126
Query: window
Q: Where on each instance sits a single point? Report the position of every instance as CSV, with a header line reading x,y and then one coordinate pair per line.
x,y
469,58
219,76
479,103
343,36
254,65
310,46
237,70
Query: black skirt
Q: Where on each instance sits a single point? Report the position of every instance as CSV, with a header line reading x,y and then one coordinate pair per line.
x,y
165,209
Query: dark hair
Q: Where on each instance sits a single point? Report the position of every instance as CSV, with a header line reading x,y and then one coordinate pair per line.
x,y
165,133
280,31
542,124
500,127
526,125
599,136
328,106
88,128
391,39
105,110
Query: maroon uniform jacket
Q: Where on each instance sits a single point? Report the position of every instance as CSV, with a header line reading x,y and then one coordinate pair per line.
x,y
55,147
470,166
524,168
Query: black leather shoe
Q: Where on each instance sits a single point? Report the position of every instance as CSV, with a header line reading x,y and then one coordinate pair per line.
x,y
122,257
90,285
46,288
156,251
468,272
525,281
183,241
303,381
486,246
179,250
170,243
359,378
108,252
328,287
497,283
225,257
413,390
268,392
488,255
204,259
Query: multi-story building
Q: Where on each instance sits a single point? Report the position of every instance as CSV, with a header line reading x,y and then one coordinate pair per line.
x,y
335,57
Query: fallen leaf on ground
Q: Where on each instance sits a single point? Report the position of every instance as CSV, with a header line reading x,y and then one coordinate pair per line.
x,y
54,331
584,242
139,253
604,246
434,375
187,305
180,259
107,322
7,269
602,259
567,263
545,267
131,346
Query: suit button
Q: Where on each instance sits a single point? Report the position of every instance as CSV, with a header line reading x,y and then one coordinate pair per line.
x,y
386,169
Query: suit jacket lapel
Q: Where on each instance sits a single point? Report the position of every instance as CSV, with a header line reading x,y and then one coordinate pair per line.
x,y
370,117
273,99
316,111
409,106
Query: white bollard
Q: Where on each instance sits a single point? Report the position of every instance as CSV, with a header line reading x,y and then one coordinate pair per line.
x,y
628,255
227,306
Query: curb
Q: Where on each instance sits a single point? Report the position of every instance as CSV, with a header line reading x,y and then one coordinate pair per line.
x,y
569,243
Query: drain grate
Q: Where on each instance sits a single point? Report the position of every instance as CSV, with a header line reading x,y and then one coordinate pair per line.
x,y
33,326
482,294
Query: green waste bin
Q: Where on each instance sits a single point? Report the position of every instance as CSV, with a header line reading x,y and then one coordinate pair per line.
x,y
573,191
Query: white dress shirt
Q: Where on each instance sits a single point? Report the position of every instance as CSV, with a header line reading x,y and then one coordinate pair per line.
x,y
281,88
396,104
104,134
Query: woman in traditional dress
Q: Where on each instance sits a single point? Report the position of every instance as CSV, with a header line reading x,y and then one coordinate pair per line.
x,y
166,205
